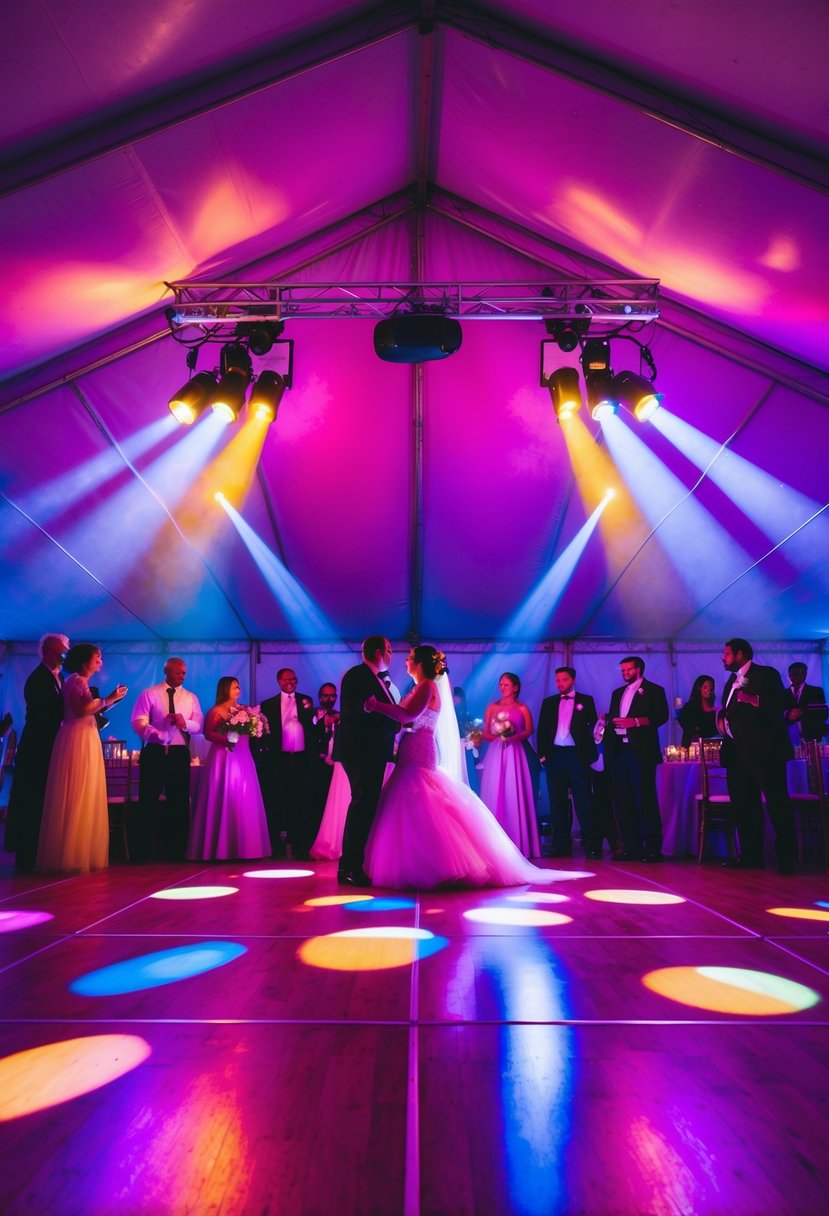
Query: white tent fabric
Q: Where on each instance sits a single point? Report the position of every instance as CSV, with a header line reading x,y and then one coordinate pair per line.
x,y
342,143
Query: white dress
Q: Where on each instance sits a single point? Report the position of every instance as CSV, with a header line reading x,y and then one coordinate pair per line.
x,y
431,831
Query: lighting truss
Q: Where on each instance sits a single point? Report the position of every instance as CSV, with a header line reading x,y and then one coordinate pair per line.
x,y
217,307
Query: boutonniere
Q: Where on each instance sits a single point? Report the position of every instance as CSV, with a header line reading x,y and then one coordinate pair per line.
x,y
579,707
640,692
306,704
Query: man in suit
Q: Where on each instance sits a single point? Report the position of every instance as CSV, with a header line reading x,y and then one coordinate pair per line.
x,y
326,721
286,759
631,749
366,744
566,749
165,716
755,749
44,714
804,706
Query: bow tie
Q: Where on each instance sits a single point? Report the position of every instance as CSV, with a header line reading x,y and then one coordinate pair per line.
x,y
568,696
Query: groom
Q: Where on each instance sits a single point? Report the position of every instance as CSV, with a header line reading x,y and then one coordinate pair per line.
x,y
366,743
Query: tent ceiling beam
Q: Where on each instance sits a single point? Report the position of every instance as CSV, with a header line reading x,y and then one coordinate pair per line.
x,y
688,115
104,134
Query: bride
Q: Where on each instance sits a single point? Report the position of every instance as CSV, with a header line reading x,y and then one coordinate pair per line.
x,y
430,830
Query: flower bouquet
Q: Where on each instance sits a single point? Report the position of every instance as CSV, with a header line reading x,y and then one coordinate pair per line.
x,y
245,720
502,726
473,735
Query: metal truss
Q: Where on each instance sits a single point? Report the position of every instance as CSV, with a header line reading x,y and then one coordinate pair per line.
x,y
216,307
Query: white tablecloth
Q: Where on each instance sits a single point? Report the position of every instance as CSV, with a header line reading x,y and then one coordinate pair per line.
x,y
678,784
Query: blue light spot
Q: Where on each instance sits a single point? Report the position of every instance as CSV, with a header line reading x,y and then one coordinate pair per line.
x,y
822,903
155,970
391,904
424,946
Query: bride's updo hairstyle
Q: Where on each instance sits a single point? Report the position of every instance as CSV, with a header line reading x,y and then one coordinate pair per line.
x,y
513,679
430,661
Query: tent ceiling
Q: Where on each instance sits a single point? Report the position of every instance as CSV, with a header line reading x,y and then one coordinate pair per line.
x,y
334,142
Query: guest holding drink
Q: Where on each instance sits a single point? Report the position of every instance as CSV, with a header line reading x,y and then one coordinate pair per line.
x,y
74,834
698,717
506,783
229,818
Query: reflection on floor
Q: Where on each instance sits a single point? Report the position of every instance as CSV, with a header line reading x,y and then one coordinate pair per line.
x,y
252,1038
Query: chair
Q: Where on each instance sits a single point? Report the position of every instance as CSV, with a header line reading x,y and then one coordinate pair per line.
x,y
715,814
118,767
811,811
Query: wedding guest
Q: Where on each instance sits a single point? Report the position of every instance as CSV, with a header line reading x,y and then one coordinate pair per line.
x,y
44,714
566,748
229,818
506,782
326,720
165,716
754,751
74,833
285,761
602,792
698,716
631,749
804,706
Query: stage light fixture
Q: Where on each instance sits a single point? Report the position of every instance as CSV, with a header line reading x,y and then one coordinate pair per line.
x,y
259,335
417,338
229,397
637,394
266,395
565,392
601,399
193,398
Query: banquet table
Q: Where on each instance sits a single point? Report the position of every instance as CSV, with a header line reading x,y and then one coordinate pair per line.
x,y
678,783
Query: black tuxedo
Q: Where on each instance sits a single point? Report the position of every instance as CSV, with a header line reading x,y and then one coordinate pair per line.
x,y
287,778
44,714
568,769
755,749
812,701
366,744
326,739
631,760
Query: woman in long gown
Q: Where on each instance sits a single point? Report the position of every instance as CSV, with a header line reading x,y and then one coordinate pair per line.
x,y
429,830
506,782
229,819
74,831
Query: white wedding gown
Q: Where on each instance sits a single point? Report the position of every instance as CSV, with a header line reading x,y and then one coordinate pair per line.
x,y
431,831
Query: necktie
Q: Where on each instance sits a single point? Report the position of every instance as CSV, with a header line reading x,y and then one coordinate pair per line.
x,y
171,697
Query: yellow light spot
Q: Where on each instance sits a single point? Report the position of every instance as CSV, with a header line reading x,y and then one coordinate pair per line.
x,y
800,913
731,990
634,897
327,901
45,1076
195,893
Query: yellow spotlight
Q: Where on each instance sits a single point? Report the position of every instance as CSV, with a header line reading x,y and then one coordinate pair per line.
x,y
190,401
565,392
266,395
229,397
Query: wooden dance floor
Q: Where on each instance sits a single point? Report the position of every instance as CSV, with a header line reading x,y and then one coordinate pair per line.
x,y
252,1039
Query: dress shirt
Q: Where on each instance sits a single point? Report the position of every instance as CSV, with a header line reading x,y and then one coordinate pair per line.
x,y
741,675
389,686
150,717
626,702
293,735
566,705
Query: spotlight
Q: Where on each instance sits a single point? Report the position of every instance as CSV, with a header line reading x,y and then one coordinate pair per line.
x,y
600,396
595,356
637,394
229,397
568,334
259,335
266,395
190,401
565,392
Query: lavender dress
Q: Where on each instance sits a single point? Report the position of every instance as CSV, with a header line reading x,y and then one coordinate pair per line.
x,y
507,788
229,816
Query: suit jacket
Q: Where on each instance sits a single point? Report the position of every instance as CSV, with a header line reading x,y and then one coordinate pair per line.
x,y
813,723
649,701
581,727
363,736
44,714
271,744
756,733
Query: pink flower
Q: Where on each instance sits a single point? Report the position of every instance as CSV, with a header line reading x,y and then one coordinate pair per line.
x,y
579,707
